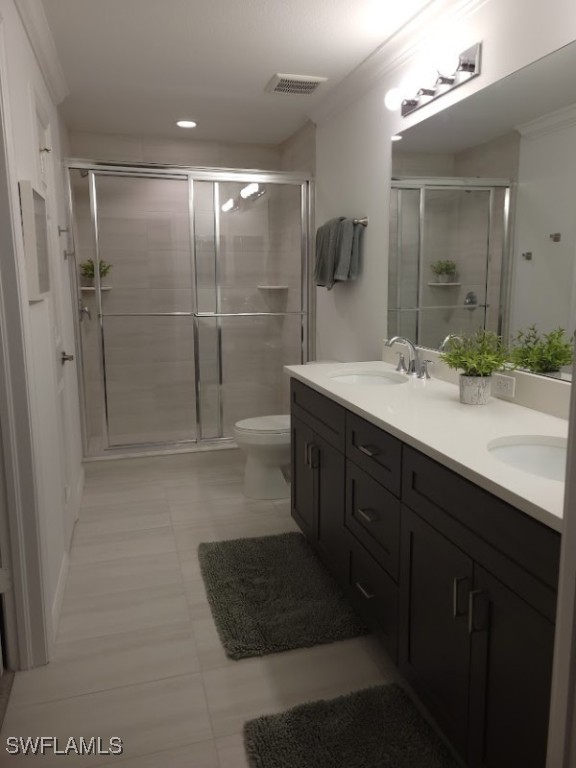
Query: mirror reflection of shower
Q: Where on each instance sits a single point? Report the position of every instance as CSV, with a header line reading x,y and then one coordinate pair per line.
x,y
447,257
204,301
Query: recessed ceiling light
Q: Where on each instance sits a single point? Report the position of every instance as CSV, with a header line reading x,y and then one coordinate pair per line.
x,y
186,124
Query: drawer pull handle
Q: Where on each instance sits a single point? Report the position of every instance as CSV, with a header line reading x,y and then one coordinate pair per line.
x,y
314,456
369,450
368,515
478,611
364,592
458,597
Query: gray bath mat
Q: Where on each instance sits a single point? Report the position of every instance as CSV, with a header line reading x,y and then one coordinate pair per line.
x,y
375,728
271,594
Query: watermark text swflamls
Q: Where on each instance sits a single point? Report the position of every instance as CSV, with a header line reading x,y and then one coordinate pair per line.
x,y
52,745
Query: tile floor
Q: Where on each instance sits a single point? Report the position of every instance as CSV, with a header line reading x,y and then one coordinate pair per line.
x,y
137,654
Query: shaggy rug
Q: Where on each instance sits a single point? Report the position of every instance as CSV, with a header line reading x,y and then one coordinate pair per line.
x,y
271,594
375,728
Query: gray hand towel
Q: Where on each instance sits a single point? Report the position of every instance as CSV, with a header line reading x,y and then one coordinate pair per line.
x,y
326,244
344,250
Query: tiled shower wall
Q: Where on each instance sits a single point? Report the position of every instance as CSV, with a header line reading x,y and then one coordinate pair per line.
x,y
144,233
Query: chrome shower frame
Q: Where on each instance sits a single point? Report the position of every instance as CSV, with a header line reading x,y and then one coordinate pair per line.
x,y
192,174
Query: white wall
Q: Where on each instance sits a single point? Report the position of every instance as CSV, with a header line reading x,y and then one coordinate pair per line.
x,y
353,148
545,205
47,324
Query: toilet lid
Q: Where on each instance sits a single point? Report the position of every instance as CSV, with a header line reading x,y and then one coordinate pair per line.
x,y
274,424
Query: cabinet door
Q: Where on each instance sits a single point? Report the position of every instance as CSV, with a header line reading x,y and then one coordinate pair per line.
x,y
510,679
434,652
303,492
329,466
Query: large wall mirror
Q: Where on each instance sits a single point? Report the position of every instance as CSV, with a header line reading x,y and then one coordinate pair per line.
x,y
483,210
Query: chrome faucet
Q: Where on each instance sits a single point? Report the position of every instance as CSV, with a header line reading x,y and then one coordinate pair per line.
x,y
414,364
447,341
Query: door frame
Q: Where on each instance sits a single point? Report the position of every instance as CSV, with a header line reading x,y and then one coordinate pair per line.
x,y
20,546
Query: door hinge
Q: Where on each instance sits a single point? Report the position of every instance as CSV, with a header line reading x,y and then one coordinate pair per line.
x,y
5,580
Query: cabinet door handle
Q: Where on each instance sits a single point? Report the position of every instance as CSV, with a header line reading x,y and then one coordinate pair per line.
x,y
368,515
364,592
369,450
457,594
314,456
307,454
478,611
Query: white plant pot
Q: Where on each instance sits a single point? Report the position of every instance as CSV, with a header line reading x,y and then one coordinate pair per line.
x,y
475,390
446,278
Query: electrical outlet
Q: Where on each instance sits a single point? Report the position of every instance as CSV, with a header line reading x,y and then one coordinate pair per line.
x,y
503,386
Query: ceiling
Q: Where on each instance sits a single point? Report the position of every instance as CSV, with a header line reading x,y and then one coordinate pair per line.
x,y
137,66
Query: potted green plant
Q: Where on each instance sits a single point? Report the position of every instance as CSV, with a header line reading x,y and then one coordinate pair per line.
x,y
541,353
444,270
88,269
477,356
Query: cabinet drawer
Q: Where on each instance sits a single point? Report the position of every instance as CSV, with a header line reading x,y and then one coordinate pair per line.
x,y
375,451
326,417
431,490
373,516
374,595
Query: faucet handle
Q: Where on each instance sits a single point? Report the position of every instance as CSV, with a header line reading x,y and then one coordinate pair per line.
x,y
424,372
401,367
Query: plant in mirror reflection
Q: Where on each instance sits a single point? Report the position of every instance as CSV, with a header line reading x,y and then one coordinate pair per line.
x,y
479,354
541,353
87,268
443,267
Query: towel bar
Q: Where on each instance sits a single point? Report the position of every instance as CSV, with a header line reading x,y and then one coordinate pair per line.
x,y
363,221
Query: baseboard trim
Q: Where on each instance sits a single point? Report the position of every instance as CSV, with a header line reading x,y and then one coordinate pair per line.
x,y
59,597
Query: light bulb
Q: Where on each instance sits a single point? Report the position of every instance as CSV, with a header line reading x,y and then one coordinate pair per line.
x,y
447,63
393,99
228,205
186,124
250,189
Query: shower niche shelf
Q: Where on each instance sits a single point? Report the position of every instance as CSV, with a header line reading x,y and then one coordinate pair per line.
x,y
272,287
444,285
92,289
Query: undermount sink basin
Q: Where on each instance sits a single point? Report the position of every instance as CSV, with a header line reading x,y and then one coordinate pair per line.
x,y
536,454
370,378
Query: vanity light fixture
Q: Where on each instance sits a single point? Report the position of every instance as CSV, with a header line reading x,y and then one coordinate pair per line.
x,y
451,71
186,124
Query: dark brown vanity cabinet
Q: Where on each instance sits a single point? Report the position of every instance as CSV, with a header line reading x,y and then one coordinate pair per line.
x,y
460,586
477,612
318,467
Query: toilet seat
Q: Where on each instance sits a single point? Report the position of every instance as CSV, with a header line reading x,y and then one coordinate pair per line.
x,y
269,425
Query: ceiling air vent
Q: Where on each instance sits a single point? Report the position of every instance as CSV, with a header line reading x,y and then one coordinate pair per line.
x,y
299,84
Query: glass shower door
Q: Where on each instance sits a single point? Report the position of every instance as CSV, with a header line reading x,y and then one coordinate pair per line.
x,y
144,305
250,283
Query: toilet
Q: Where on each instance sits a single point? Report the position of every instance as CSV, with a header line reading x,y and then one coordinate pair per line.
x,y
266,442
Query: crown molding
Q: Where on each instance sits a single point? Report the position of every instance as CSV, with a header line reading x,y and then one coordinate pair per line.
x,y
397,51
555,121
38,31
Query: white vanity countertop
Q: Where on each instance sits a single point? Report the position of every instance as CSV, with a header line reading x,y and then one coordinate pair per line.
x,y
429,416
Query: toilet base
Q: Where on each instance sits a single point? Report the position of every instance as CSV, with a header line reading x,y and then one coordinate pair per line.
x,y
264,481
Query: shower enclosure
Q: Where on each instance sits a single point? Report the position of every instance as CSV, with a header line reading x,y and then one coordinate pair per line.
x,y
464,221
206,299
